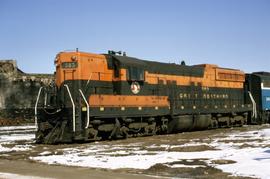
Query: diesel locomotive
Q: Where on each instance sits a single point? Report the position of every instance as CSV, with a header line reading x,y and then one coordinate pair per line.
x,y
111,96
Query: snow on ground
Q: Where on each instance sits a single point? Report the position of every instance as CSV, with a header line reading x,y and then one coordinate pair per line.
x,y
252,160
248,152
12,176
249,162
10,135
11,128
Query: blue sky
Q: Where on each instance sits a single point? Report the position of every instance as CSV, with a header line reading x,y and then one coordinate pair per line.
x,y
230,33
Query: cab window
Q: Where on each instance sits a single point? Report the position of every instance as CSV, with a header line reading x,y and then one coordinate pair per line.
x,y
135,74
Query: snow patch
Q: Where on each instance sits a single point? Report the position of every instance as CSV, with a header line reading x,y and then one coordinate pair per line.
x,y
16,137
185,166
10,135
45,153
250,161
12,176
253,162
12,128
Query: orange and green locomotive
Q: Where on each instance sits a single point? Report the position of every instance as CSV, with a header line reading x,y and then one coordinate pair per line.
x,y
110,96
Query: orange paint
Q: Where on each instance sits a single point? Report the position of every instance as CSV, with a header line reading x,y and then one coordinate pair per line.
x,y
128,101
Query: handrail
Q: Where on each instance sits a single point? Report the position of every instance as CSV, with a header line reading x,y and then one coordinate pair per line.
x,y
45,99
254,109
88,118
36,124
73,108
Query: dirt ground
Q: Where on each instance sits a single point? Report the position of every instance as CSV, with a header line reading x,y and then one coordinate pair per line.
x,y
33,169
20,162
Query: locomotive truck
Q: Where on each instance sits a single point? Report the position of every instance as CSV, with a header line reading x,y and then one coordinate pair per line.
x,y
111,96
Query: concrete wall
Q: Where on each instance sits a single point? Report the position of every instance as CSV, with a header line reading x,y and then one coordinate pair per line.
x,y
18,91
